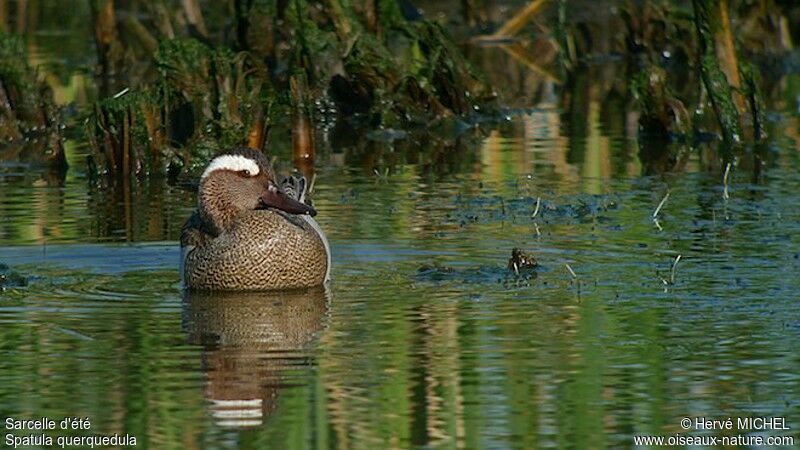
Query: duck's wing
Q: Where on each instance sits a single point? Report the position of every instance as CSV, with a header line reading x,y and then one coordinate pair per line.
x,y
296,187
193,233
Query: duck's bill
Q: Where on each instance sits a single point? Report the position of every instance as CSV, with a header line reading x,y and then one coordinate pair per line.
x,y
279,200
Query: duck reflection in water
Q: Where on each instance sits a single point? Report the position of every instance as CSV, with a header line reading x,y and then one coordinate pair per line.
x,y
251,341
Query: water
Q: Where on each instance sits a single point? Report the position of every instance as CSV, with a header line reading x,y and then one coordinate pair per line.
x,y
425,339
465,355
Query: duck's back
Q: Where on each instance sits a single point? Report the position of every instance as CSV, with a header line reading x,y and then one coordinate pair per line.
x,y
263,249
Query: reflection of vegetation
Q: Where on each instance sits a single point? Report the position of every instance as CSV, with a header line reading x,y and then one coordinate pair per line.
x,y
27,110
440,364
675,57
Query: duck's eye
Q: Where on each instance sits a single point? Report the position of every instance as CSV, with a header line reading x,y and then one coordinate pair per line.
x,y
244,173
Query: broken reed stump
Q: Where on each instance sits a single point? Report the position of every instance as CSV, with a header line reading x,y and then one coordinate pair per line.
x,y
707,17
30,122
751,89
109,49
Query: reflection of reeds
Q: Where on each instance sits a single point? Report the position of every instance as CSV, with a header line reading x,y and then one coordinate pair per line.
x,y
532,61
3,16
109,52
194,16
303,149
443,399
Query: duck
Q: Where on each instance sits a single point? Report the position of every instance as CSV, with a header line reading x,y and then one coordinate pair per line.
x,y
251,232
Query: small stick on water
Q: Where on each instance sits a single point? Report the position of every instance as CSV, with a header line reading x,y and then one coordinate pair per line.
x,y
672,270
574,279
660,205
725,182
536,210
571,272
658,209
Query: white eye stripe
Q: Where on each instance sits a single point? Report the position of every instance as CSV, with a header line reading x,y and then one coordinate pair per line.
x,y
235,163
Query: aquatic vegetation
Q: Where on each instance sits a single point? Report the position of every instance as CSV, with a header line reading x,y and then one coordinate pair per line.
x,y
719,75
207,100
488,276
11,279
387,72
521,262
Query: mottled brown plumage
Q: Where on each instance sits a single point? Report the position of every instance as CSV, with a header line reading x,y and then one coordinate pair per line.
x,y
247,234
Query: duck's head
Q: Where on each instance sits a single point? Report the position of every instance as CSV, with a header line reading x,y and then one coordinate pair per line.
x,y
242,180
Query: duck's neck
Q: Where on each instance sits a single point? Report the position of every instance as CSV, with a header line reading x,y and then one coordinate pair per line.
x,y
215,210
